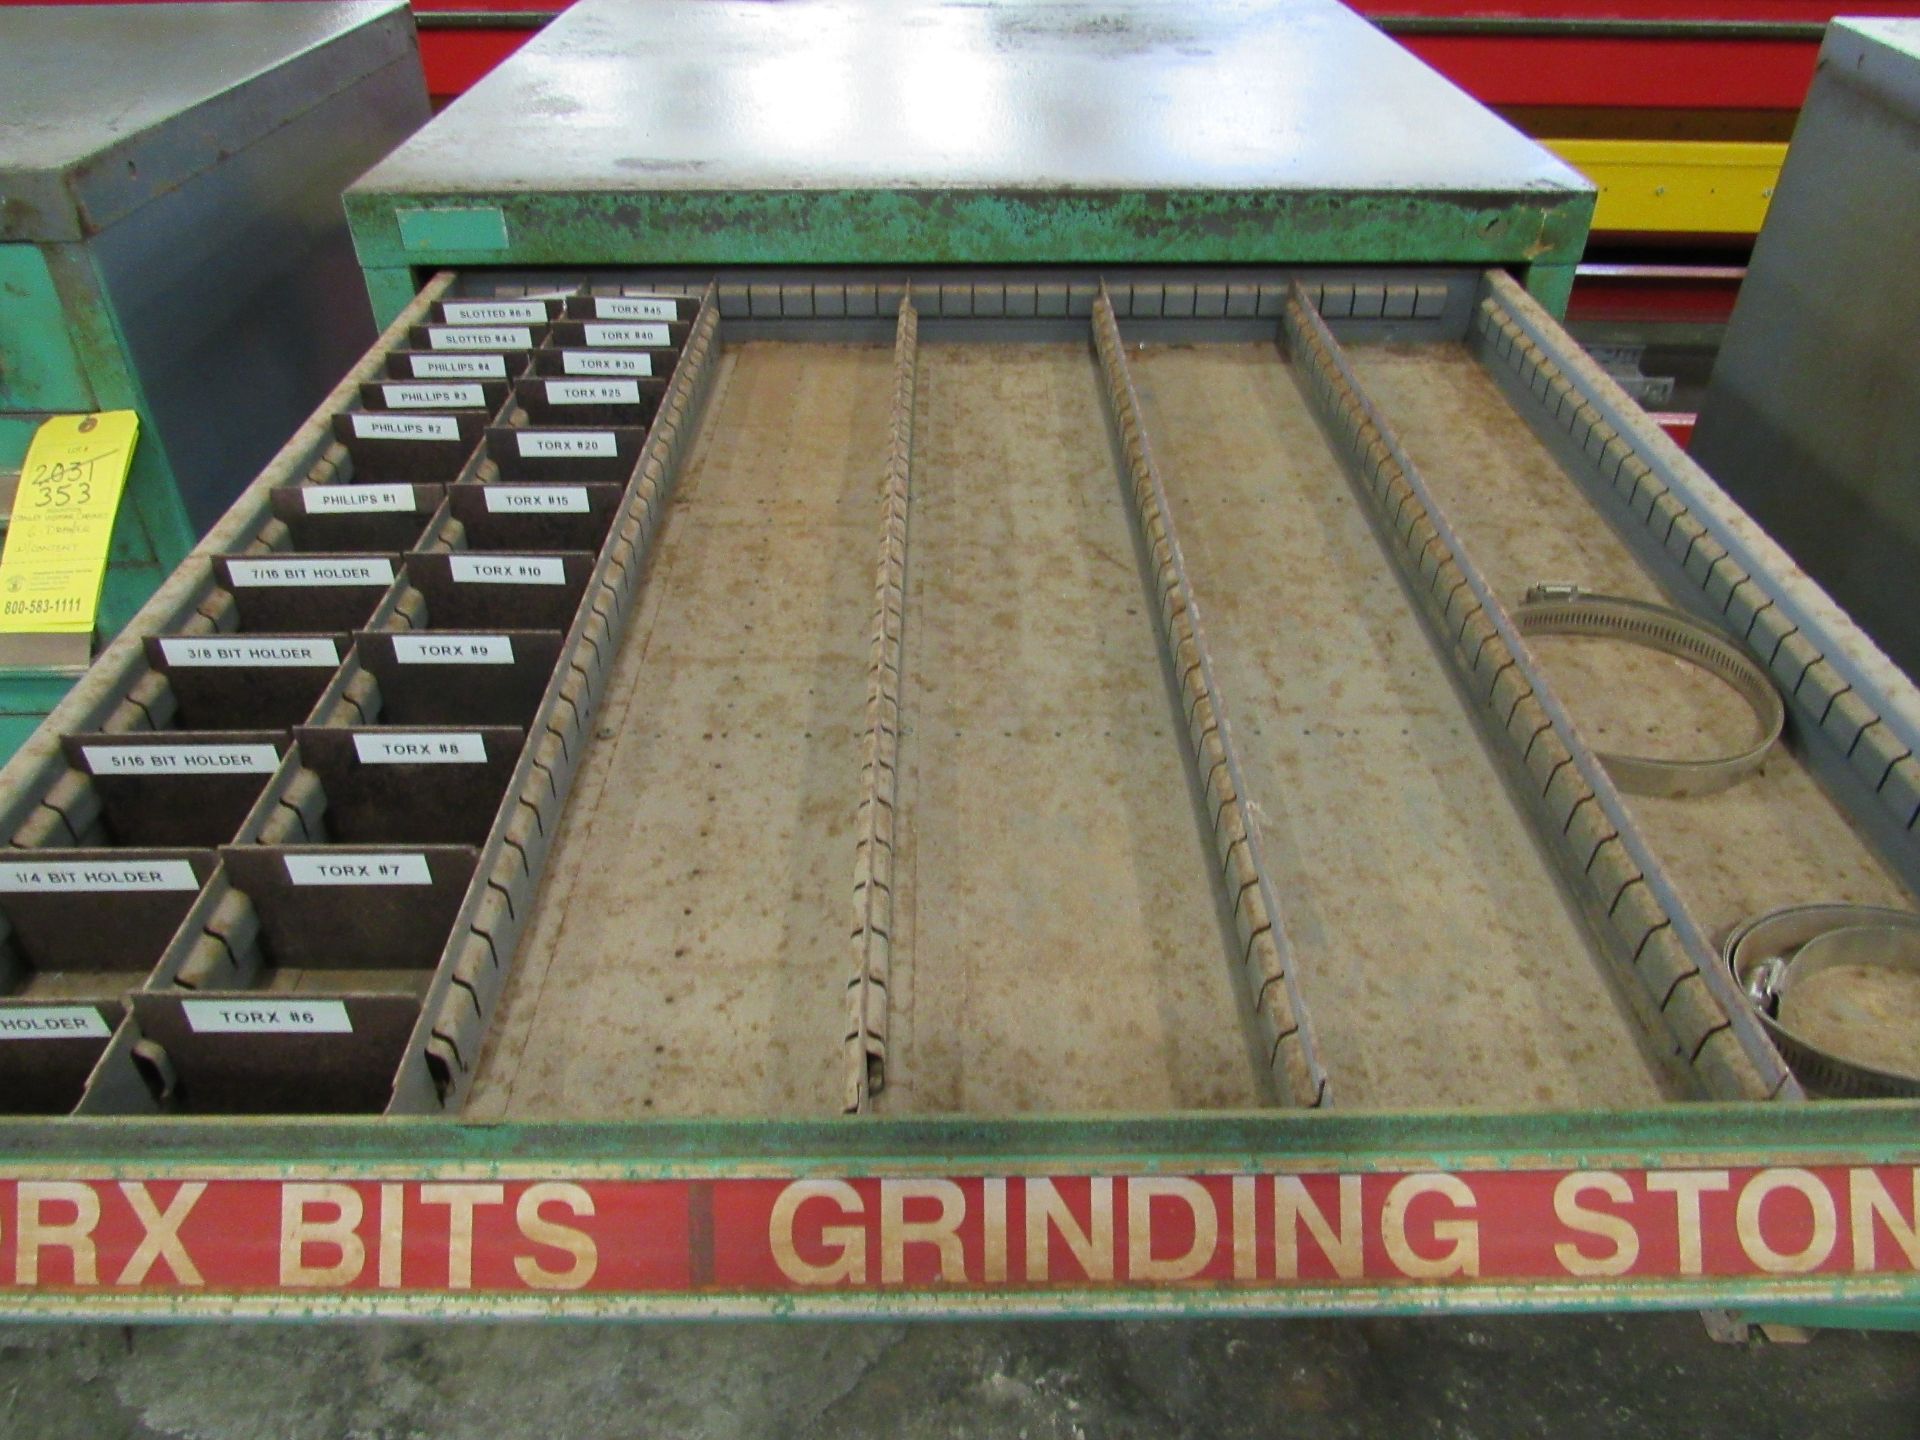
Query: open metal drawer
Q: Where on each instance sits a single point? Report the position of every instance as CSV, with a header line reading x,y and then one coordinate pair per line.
x,y
815,872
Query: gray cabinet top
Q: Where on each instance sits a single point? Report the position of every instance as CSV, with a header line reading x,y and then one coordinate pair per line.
x,y
685,95
103,107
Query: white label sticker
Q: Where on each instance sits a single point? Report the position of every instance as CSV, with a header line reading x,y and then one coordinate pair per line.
x,y
420,748
471,569
433,397
441,649
365,499
650,336
593,392
267,1017
494,312
606,362
548,445
181,759
87,876
405,427
536,499
252,652
498,337
636,307
460,367
248,574
53,1022
346,868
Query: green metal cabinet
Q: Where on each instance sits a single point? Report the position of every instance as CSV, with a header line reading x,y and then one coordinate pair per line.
x,y
176,248
846,134
898,514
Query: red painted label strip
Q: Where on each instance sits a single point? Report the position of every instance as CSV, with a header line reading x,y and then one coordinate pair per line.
x,y
976,1234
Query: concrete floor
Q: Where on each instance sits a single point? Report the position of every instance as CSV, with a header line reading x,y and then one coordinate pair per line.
x,y
1571,1377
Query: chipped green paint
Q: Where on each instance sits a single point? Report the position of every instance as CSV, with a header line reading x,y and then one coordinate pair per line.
x,y
390,289
1859,1132
902,227
64,348
1855,1315
38,367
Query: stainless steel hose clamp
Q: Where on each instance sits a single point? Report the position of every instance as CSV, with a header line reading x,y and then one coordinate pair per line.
x,y
1561,609
1784,951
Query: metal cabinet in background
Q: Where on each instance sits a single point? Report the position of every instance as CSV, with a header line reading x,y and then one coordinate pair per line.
x,y
171,242
1812,420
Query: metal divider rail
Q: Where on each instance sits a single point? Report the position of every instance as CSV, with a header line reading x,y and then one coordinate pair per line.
x,y
1594,838
867,993
1268,971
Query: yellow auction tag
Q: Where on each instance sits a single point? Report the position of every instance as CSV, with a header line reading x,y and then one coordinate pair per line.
x,y
56,552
